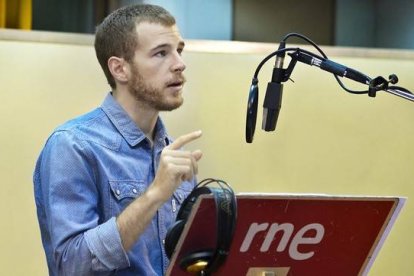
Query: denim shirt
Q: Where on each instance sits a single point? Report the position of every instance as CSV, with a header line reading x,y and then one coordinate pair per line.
x,y
90,169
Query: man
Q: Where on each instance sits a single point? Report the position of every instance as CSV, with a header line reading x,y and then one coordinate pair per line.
x,y
109,183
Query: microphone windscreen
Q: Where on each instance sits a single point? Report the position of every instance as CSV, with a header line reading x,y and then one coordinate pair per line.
x,y
252,112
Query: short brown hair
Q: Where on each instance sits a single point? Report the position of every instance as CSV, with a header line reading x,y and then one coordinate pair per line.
x,y
116,35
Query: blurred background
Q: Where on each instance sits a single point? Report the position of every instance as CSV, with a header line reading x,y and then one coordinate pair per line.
x,y
368,23
327,141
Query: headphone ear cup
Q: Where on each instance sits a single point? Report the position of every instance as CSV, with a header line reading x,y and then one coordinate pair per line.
x,y
172,237
196,261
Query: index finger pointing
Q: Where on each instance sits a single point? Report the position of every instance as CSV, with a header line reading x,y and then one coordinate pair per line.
x,y
185,139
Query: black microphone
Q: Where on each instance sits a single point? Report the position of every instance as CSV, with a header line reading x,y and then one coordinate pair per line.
x,y
332,67
274,91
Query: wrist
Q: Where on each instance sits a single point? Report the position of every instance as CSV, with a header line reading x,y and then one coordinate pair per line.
x,y
155,194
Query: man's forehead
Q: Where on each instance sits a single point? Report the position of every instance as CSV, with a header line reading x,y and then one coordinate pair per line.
x,y
151,32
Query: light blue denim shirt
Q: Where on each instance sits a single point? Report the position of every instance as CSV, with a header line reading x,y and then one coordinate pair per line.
x,y
90,169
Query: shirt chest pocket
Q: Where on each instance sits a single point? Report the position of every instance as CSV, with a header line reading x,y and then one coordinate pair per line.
x,y
123,192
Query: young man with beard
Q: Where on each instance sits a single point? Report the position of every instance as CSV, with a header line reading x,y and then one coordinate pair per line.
x,y
108,184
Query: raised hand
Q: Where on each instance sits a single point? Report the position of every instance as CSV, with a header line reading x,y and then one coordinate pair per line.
x,y
176,165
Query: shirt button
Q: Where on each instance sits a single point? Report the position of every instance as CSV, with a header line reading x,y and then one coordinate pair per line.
x,y
118,192
163,242
134,191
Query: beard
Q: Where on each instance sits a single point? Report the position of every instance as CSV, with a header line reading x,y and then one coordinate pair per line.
x,y
152,96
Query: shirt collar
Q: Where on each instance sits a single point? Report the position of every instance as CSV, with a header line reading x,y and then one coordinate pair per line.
x,y
127,127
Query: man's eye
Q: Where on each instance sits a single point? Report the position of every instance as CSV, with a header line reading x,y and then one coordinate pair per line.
x,y
161,54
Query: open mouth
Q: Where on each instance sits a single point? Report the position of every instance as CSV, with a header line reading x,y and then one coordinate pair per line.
x,y
176,83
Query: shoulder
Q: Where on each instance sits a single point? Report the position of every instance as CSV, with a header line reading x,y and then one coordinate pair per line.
x,y
93,127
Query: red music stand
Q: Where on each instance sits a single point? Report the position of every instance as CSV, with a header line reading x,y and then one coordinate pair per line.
x,y
281,234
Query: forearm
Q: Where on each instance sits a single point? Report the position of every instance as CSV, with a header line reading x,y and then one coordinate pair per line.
x,y
133,221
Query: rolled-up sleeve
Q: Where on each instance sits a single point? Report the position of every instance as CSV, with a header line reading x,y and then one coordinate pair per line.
x,y
81,242
105,245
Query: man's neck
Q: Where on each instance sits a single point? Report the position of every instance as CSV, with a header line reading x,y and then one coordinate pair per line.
x,y
144,116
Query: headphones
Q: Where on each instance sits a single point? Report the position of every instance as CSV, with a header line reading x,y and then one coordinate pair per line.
x,y
205,261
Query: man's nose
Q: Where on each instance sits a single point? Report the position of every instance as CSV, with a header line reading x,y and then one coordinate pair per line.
x,y
178,64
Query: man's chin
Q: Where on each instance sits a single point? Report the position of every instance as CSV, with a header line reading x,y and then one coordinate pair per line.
x,y
172,105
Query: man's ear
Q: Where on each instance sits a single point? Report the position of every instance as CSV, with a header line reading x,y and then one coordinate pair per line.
x,y
119,69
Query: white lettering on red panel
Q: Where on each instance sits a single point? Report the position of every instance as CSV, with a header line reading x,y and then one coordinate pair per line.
x,y
296,240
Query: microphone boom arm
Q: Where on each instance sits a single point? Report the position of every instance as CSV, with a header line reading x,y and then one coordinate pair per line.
x,y
275,87
375,85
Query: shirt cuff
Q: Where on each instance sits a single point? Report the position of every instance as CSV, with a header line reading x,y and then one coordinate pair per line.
x,y
105,245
